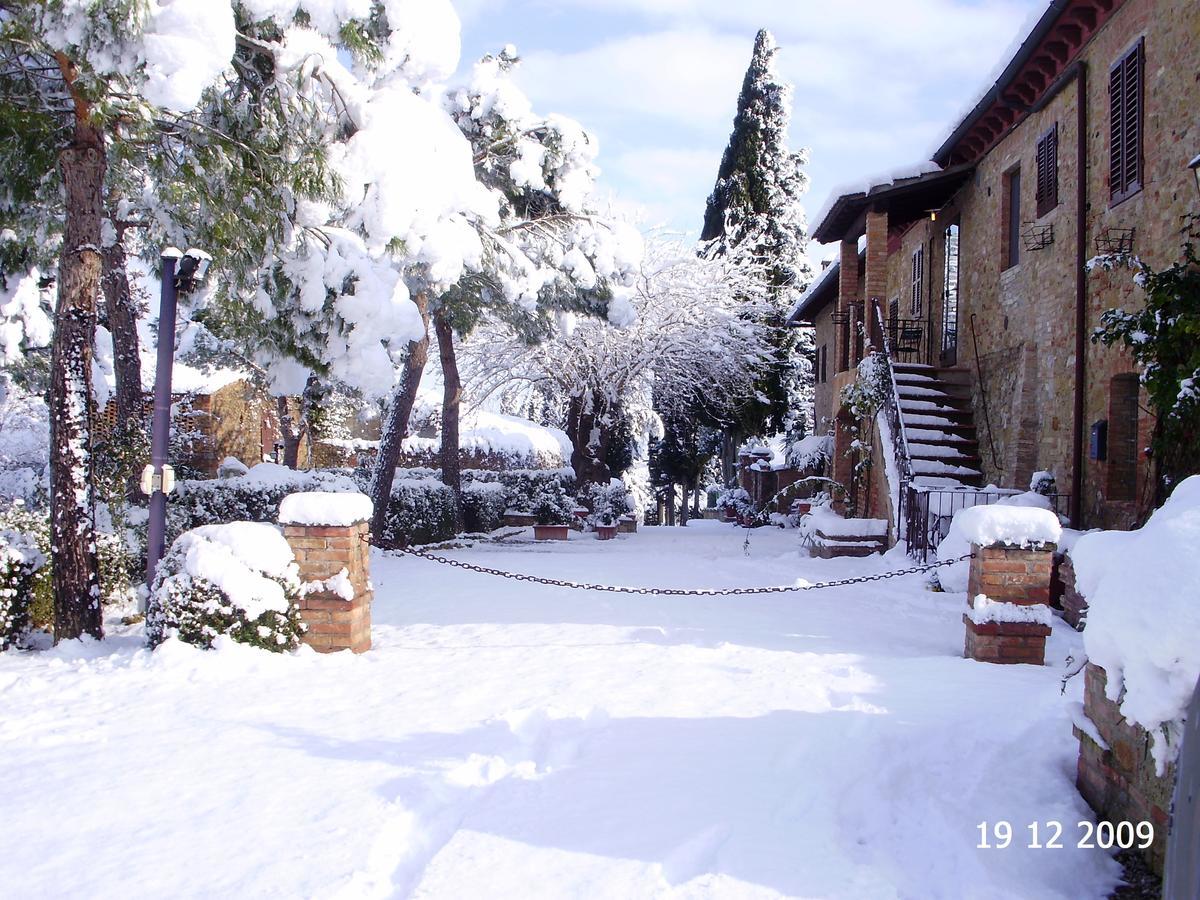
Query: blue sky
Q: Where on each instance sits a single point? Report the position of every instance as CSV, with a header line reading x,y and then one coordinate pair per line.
x,y
878,83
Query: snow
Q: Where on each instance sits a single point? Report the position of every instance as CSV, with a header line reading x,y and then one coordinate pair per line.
x,y
985,610
1024,519
1141,587
188,44
833,525
240,559
998,523
830,744
339,584
324,508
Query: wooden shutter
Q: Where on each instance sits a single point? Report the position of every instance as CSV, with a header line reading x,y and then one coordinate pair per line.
x,y
1125,124
1047,171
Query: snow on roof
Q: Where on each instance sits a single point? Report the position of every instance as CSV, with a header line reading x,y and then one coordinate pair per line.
x,y
875,182
829,272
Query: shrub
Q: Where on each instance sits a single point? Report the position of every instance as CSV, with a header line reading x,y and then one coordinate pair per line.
x,y
253,497
553,506
608,502
421,511
20,561
237,579
735,500
483,505
26,528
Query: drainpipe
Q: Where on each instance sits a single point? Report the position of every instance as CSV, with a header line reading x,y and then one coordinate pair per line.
x,y
1080,298
1077,72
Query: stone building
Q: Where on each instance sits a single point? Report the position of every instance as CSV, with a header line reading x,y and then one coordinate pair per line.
x,y
978,262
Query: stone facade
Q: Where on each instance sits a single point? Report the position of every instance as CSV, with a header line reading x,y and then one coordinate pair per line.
x,y
1016,315
1118,779
1007,574
322,551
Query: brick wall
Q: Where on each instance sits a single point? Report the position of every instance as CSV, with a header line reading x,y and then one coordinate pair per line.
x,y
1015,575
1118,780
322,551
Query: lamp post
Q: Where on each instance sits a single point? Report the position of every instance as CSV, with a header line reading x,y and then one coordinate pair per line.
x,y
182,273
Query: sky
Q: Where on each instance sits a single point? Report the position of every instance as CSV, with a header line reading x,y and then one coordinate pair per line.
x,y
879,84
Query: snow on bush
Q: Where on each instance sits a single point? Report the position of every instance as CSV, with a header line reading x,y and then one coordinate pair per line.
x,y
608,502
553,506
420,511
20,561
253,497
1023,520
1143,617
734,500
238,579
324,508
483,505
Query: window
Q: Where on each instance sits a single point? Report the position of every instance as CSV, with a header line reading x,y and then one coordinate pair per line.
x,y
950,298
918,281
1047,171
1011,219
1125,124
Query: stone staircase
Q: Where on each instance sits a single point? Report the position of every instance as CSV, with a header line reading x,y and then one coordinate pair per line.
x,y
935,406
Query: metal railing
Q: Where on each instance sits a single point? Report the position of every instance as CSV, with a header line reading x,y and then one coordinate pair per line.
x,y
895,422
930,512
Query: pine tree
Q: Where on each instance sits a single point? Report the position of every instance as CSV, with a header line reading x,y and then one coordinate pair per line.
x,y
755,206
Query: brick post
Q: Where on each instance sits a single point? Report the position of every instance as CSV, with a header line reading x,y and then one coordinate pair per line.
x,y
1016,575
876,275
322,552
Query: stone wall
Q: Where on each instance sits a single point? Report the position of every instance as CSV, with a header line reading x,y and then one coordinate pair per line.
x,y
1117,777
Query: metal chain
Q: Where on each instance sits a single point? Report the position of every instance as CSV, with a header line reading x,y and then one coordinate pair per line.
x,y
678,592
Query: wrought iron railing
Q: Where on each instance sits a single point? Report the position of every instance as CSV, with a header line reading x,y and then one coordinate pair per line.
x,y
891,407
930,511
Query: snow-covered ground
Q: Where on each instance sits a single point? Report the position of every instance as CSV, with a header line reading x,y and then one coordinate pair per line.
x,y
511,740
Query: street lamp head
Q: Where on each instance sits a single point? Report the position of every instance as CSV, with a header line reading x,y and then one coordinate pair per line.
x,y
192,270
1194,165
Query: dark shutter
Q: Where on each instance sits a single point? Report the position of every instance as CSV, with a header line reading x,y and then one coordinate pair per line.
x,y
1125,124
1047,171
918,278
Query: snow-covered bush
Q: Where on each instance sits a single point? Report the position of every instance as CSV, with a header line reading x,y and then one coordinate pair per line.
x,y
420,511
810,454
524,485
20,561
1143,618
253,497
553,506
25,527
483,505
238,579
608,502
734,500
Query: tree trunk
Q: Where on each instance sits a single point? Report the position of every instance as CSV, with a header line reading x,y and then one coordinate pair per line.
x,y
685,504
728,459
451,406
590,429
395,427
72,499
122,318
291,431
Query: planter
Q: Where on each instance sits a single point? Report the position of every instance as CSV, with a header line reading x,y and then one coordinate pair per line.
x,y
729,515
801,507
519,519
550,532
627,525
606,532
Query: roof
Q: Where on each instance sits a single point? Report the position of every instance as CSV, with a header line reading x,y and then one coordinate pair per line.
x,y
819,293
1051,46
906,200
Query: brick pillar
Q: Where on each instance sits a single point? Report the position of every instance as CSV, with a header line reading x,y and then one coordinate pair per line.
x,y
876,278
1008,574
847,295
322,552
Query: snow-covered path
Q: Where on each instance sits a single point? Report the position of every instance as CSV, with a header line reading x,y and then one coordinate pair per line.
x,y
514,740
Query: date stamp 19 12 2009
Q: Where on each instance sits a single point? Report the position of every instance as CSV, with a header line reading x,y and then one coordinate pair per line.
x,y
1053,835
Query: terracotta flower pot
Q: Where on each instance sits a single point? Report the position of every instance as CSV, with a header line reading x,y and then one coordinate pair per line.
x,y
550,532
606,532
627,525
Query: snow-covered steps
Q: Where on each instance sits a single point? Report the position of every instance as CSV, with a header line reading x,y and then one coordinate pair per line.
x,y
939,421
